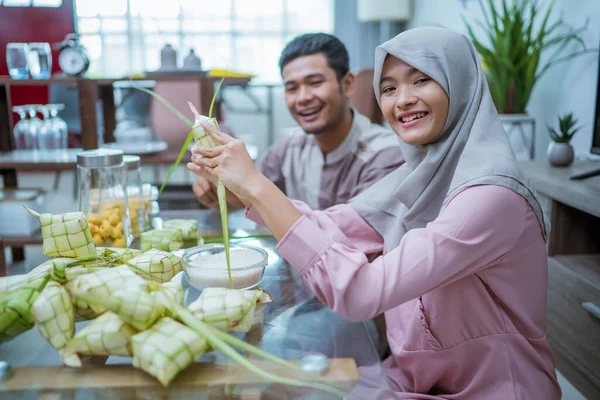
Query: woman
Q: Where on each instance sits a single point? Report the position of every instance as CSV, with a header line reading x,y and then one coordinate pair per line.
x,y
463,277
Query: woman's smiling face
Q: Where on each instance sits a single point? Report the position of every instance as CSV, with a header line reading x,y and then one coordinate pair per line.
x,y
415,106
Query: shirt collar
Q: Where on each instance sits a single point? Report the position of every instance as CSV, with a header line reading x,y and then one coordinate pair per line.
x,y
359,124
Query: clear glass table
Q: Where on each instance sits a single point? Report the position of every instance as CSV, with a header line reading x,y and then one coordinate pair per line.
x,y
295,325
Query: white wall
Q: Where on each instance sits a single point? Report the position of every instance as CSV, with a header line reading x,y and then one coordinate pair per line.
x,y
571,86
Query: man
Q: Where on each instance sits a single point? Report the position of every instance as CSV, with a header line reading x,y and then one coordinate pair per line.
x,y
336,152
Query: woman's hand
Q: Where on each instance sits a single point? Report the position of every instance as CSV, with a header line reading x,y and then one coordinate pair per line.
x,y
231,162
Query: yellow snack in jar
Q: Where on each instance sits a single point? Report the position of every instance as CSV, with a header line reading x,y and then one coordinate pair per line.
x,y
94,219
98,241
114,218
106,229
120,242
116,233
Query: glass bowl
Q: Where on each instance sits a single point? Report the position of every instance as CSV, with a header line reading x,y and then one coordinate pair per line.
x,y
205,265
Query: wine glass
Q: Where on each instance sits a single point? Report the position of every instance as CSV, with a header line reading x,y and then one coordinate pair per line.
x,y
21,131
35,124
46,137
59,126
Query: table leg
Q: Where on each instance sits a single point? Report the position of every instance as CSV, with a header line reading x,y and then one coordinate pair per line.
x,y
9,177
18,254
207,91
88,94
3,271
107,95
7,142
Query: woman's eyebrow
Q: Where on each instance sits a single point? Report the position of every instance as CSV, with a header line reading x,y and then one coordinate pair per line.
x,y
385,79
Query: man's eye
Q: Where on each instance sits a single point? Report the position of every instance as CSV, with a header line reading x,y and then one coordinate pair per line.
x,y
316,83
290,89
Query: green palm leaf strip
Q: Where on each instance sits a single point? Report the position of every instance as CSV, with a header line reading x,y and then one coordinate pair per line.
x,y
221,192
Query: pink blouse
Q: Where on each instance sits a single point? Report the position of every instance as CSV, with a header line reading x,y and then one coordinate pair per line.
x,y
464,298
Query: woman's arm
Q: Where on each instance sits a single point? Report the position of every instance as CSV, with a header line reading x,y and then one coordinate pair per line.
x,y
478,227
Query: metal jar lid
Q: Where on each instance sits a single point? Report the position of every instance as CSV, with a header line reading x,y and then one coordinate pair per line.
x,y
131,162
100,158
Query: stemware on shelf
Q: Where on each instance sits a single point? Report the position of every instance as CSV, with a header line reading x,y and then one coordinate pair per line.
x,y
21,130
59,126
35,124
46,137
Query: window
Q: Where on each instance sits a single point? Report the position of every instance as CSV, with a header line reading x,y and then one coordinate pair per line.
x,y
125,36
30,3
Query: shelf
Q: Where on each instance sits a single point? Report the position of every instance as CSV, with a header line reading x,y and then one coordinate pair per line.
x,y
61,159
7,80
554,183
585,265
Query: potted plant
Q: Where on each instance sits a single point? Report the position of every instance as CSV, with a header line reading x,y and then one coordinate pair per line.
x,y
560,151
514,36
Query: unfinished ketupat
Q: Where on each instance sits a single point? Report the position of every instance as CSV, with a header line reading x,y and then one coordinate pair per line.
x,y
204,139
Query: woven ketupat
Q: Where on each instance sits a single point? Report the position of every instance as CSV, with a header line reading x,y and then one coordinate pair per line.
x,y
116,255
162,239
107,335
66,235
188,227
228,309
54,315
136,306
166,348
15,309
103,282
156,265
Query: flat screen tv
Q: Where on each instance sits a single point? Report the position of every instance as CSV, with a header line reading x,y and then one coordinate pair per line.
x,y
595,134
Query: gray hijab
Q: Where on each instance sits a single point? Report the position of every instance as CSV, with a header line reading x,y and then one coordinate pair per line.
x,y
472,150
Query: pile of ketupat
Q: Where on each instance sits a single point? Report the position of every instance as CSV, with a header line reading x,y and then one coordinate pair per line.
x,y
135,299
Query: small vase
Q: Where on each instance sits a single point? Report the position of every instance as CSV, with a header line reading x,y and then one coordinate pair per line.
x,y
560,154
168,58
192,62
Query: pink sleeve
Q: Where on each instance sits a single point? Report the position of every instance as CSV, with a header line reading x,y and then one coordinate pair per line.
x,y
477,227
341,224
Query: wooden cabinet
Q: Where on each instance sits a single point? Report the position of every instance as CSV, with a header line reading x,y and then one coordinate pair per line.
x,y
574,270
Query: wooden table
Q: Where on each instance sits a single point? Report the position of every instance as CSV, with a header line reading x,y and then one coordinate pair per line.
x,y
293,325
89,91
573,207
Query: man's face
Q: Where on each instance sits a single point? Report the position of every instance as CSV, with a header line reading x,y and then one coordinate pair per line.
x,y
314,96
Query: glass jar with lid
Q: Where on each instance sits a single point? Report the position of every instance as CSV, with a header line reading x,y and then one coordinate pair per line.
x,y
139,207
102,182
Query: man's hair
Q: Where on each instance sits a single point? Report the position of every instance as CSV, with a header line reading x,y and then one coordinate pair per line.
x,y
312,43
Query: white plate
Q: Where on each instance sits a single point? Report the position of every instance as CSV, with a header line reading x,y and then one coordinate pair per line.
x,y
138,148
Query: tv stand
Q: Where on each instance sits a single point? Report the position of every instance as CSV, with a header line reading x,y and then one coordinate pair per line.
x,y
573,207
